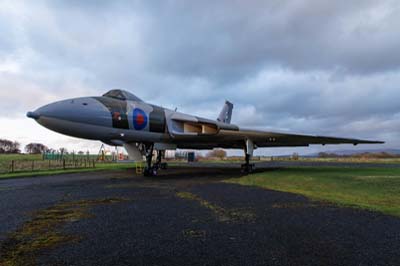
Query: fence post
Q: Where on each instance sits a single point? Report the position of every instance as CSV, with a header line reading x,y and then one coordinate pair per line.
x,y
64,164
33,165
49,164
94,166
12,166
85,163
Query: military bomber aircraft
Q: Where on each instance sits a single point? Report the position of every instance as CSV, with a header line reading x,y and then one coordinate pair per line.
x,y
119,118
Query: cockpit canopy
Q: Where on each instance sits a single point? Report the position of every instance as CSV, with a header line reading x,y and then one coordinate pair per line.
x,y
122,95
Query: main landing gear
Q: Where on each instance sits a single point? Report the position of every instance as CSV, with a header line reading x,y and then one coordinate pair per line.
x,y
248,151
248,167
152,169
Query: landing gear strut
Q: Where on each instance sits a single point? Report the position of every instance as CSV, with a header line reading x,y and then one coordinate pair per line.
x,y
151,170
159,164
248,167
248,151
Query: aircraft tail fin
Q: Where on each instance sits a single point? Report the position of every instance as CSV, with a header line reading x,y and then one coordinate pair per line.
x,y
226,113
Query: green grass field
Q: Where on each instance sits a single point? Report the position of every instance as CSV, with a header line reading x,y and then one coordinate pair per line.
x,y
16,165
99,167
351,160
35,157
20,157
373,189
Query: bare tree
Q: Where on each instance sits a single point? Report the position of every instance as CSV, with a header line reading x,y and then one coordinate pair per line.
x,y
50,150
8,146
218,153
63,151
36,148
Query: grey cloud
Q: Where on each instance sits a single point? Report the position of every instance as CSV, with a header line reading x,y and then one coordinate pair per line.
x,y
213,40
224,41
323,67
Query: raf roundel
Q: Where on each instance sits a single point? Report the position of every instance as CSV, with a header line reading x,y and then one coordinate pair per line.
x,y
139,119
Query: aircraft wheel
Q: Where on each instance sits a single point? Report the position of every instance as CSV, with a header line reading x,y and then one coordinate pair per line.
x,y
154,171
248,168
146,172
150,172
252,167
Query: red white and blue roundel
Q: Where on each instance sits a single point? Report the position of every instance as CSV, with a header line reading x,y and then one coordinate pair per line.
x,y
139,119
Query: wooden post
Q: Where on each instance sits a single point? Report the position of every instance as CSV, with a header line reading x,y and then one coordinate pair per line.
x,y
94,166
49,164
12,166
33,165
64,164
85,163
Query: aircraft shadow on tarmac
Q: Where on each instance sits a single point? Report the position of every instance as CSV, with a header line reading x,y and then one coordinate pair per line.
x,y
210,172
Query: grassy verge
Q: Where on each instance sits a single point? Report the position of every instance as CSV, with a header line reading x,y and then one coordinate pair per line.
x,y
17,157
99,167
351,160
373,189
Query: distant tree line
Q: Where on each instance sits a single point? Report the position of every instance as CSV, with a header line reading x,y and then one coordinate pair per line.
x,y
216,153
8,147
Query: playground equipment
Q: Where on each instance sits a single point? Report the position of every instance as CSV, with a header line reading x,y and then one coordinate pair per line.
x,y
139,166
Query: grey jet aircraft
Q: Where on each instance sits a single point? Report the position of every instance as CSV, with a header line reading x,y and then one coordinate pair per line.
x,y
119,118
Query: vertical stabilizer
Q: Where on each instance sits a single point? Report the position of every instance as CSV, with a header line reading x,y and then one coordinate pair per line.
x,y
226,113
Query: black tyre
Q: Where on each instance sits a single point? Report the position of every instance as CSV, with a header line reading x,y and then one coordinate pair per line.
x,y
154,171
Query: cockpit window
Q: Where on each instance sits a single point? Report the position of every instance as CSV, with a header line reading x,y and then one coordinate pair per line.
x,y
122,95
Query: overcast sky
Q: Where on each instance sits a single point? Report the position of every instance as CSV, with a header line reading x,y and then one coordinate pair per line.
x,y
315,67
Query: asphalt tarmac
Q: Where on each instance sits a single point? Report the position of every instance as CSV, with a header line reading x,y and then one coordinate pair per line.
x,y
185,216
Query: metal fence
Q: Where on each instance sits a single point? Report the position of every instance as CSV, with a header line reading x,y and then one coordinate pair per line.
x,y
14,166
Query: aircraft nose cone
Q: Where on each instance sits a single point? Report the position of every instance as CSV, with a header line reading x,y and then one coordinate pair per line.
x,y
49,110
85,110
64,110
84,117
33,115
